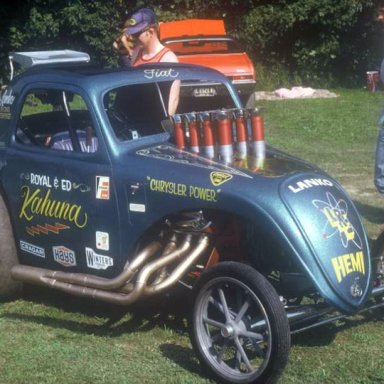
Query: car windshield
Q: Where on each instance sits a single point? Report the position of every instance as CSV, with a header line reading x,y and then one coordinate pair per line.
x,y
198,45
139,110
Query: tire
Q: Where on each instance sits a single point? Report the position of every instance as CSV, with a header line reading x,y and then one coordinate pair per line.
x,y
229,299
8,256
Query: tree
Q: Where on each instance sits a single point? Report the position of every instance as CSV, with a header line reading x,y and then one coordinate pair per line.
x,y
316,41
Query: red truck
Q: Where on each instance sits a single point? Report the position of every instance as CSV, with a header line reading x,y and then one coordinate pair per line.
x,y
205,42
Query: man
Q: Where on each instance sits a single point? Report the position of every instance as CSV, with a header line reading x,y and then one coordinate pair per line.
x,y
144,31
380,16
124,46
379,158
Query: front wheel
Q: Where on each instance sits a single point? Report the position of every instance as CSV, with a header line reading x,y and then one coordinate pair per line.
x,y
238,327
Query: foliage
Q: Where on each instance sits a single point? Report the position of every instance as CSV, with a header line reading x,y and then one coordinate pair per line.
x,y
318,42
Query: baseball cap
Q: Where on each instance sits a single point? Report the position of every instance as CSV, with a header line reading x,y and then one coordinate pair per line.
x,y
140,20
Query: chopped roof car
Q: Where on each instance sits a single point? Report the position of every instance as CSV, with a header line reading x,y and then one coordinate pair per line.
x,y
105,196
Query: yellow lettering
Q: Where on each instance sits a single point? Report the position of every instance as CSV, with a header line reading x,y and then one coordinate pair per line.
x,y
345,264
35,204
357,261
177,189
338,267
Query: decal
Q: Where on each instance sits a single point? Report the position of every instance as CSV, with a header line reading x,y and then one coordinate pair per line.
x,y
336,213
46,229
40,180
45,181
96,261
309,183
168,187
64,256
168,153
183,190
32,249
81,187
102,240
102,187
134,207
218,178
345,264
204,92
37,203
7,98
5,113
356,290
160,73
135,188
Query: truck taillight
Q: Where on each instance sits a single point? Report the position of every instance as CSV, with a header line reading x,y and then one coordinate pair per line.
x,y
239,78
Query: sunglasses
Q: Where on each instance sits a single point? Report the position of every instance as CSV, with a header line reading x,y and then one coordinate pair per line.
x,y
137,35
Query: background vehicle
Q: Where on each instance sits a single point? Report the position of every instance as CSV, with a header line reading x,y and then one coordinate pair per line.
x,y
205,42
104,196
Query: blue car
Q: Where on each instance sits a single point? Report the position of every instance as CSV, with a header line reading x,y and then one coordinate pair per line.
x,y
107,197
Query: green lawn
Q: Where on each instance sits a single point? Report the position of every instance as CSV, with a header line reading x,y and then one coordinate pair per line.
x,y
51,338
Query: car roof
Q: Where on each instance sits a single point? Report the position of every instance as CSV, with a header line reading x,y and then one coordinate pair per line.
x,y
90,76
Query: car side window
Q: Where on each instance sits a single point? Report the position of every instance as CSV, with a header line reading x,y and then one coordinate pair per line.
x,y
56,119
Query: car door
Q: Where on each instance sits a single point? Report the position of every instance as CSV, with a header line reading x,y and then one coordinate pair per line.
x,y
59,184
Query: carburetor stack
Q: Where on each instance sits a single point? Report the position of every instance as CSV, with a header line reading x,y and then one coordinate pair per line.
x,y
230,136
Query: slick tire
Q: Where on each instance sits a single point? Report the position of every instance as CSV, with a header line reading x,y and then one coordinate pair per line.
x,y
238,326
8,256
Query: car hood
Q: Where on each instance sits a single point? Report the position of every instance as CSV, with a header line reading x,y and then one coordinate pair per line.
x,y
275,164
294,195
234,64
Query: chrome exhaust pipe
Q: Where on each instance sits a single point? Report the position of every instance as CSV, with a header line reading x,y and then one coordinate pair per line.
x,y
30,274
127,292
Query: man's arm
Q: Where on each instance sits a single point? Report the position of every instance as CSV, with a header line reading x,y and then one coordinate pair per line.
x,y
174,92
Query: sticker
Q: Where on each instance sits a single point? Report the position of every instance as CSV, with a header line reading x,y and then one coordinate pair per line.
x,y
345,264
169,153
96,261
46,229
40,180
102,187
39,203
355,289
32,249
336,213
7,98
183,190
137,207
309,183
5,112
160,73
64,256
102,240
218,178
204,92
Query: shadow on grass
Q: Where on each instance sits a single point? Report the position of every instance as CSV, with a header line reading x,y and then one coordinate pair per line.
x,y
325,335
183,357
156,312
371,213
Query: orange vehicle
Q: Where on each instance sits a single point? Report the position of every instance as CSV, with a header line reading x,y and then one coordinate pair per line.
x,y
205,42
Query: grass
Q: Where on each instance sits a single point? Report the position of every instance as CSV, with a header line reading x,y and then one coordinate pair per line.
x,y
53,338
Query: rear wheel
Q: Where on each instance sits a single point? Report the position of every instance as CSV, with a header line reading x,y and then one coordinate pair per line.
x,y
239,328
8,255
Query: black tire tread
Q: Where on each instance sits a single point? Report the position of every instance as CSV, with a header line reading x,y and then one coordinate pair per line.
x,y
270,300
8,256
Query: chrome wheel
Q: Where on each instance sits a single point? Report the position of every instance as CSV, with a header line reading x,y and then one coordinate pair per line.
x,y
235,326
